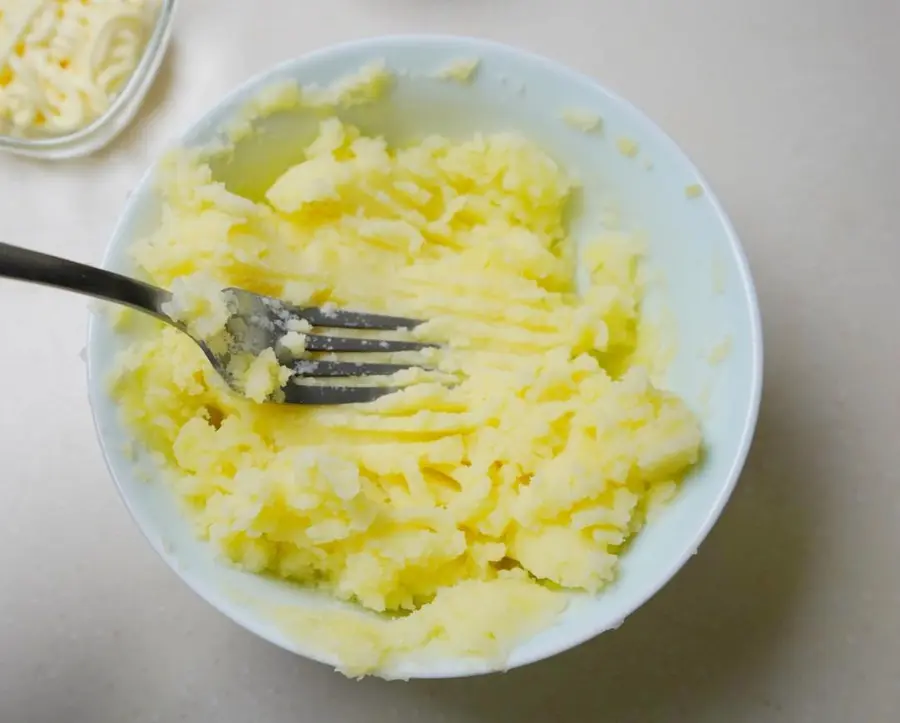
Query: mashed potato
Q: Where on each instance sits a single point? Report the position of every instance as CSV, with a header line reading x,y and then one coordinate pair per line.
x,y
457,510
461,70
627,147
582,120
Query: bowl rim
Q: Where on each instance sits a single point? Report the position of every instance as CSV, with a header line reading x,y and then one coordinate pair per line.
x,y
465,44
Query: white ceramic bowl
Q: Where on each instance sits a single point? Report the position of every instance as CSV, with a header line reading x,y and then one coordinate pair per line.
x,y
708,289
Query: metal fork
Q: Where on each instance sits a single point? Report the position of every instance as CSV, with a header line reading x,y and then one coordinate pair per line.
x,y
256,323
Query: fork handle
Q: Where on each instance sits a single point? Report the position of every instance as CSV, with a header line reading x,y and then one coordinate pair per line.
x,y
37,268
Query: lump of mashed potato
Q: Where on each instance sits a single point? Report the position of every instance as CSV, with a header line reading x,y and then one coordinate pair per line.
x,y
457,510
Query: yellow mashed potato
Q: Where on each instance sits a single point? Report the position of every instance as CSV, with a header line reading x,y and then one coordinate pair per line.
x,y
457,510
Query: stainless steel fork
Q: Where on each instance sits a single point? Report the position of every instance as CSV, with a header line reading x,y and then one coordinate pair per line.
x,y
256,323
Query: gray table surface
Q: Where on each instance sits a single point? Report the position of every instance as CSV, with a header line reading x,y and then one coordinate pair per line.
x,y
791,611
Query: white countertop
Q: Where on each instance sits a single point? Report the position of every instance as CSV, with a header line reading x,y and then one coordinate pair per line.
x,y
791,611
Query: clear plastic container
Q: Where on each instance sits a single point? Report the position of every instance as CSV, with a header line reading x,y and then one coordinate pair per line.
x,y
121,111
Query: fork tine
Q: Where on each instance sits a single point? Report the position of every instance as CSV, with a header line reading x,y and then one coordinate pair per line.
x,y
315,342
303,394
341,319
306,368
